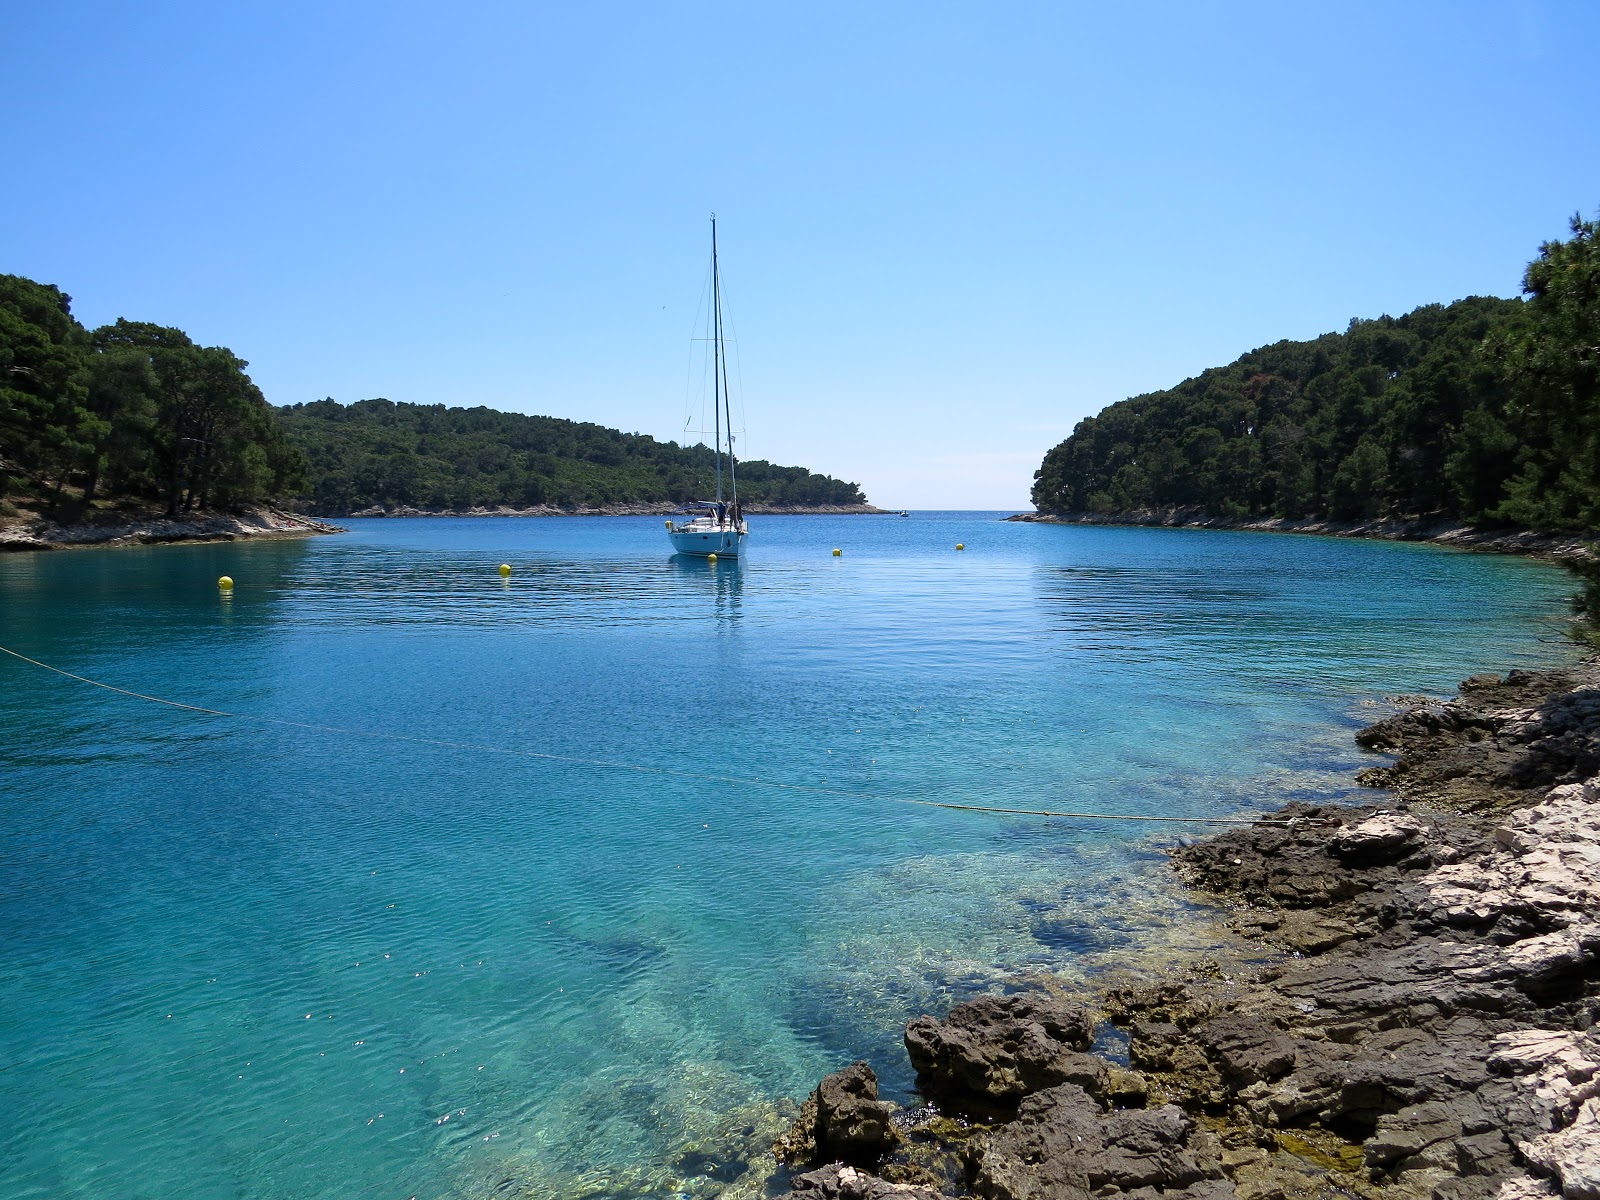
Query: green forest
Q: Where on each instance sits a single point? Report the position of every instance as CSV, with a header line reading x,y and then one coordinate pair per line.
x,y
129,411
430,456
1487,410
136,415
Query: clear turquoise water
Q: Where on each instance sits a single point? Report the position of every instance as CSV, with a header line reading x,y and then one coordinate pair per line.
x,y
245,960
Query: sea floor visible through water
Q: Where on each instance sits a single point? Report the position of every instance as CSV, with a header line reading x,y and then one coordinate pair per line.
x,y
362,940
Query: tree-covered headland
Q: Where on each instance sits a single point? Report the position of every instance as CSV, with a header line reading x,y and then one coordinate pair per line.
x,y
137,415
129,411
1485,410
433,457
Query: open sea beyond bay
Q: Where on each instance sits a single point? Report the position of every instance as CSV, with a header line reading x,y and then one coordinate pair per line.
x,y
248,958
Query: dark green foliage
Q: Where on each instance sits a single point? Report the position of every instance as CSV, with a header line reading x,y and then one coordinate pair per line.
x,y
1352,425
1554,368
44,426
1485,409
138,411
430,456
131,410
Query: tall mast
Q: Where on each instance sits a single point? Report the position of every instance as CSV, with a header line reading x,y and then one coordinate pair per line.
x,y
727,409
716,352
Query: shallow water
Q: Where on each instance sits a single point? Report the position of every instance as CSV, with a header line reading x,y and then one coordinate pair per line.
x,y
245,959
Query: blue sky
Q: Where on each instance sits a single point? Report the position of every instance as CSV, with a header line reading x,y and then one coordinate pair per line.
x,y
949,230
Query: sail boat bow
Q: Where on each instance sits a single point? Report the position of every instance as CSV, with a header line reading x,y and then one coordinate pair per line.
x,y
721,529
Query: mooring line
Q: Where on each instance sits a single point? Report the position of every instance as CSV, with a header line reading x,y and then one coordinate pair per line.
x,y
634,767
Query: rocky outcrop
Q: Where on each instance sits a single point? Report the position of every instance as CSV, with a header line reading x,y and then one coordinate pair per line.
x,y
1065,1146
853,1125
839,1181
843,1121
1430,1036
116,528
1441,532
1499,741
995,1050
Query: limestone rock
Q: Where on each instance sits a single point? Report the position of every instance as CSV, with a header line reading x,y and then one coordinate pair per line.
x,y
1558,1070
841,1121
1525,1187
1384,838
1571,1155
1403,1138
1247,1048
839,1181
853,1125
1063,1147
1001,1048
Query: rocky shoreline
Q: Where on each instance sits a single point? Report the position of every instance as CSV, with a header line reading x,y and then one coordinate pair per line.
x,y
1559,546
606,510
112,528
1416,1021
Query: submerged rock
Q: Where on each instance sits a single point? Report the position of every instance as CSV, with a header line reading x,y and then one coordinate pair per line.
x,y
1432,1036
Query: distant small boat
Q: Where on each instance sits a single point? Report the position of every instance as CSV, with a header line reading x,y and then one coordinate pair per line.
x,y
721,529
902,513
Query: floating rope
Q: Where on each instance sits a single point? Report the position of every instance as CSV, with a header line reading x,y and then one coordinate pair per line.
x,y
634,767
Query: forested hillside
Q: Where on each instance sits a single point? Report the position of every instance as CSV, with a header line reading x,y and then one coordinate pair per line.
x,y
138,415
1485,409
129,410
430,456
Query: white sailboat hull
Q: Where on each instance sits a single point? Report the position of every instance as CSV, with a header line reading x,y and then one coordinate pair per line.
x,y
700,543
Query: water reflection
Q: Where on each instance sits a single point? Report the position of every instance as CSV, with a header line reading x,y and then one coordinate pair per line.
x,y
723,579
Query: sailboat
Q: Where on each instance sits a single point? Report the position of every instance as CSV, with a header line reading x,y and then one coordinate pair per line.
x,y
719,531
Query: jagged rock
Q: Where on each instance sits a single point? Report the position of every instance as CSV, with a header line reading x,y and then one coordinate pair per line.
x,y
1402,1139
1539,960
1286,861
1556,1071
1247,1048
1571,1155
1438,1043
841,1121
1531,731
853,1125
1544,874
1063,1147
839,1181
1001,1048
1525,1187
1384,838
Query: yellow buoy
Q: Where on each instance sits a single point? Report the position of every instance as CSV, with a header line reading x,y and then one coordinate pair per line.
x,y
505,568
711,558
837,552
961,545
226,583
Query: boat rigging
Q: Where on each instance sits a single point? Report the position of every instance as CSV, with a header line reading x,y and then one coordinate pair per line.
x,y
719,531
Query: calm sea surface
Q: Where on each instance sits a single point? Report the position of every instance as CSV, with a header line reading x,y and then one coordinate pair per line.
x,y
245,959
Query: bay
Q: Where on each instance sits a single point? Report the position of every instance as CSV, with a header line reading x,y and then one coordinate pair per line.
x,y
363,940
